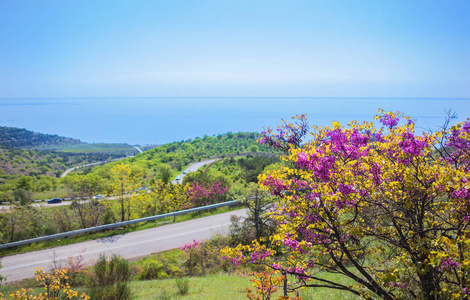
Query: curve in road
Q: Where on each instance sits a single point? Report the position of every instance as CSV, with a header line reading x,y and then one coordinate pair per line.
x,y
193,168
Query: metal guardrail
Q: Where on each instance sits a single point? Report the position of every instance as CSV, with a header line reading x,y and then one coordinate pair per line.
x,y
118,224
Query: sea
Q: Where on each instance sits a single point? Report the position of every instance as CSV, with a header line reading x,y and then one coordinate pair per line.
x,y
160,120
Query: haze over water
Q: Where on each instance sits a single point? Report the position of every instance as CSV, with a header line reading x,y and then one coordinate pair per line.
x,y
57,57
162,120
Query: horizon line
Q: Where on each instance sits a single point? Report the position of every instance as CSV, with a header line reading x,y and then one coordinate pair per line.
x,y
240,97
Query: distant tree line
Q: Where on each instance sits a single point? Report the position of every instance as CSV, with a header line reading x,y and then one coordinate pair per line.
x,y
12,137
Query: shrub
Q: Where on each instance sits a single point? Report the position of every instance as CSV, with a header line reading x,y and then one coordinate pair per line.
x,y
183,285
163,295
157,267
203,256
110,278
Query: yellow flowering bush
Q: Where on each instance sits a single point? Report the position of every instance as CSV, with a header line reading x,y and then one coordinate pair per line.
x,y
54,283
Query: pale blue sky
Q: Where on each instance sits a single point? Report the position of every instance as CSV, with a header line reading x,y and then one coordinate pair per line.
x,y
82,48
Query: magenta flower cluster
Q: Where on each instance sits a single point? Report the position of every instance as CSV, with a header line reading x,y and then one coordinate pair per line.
x,y
448,263
188,247
259,256
236,260
459,147
389,121
205,193
463,195
293,244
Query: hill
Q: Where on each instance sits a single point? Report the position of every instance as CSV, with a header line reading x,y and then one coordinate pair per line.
x,y
179,154
12,137
16,161
25,152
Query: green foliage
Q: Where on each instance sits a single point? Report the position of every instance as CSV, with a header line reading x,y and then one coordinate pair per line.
x,y
163,294
252,166
150,169
179,154
203,256
24,222
259,202
257,225
38,171
183,285
110,279
2,278
157,267
164,173
11,137
23,196
153,269
25,183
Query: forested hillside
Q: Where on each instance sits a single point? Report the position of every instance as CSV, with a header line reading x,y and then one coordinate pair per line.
x,y
11,137
15,162
179,154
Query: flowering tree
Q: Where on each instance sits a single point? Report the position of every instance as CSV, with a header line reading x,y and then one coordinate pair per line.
x,y
167,197
125,181
382,206
196,255
201,193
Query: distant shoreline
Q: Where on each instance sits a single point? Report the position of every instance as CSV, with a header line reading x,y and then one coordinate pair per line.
x,y
161,120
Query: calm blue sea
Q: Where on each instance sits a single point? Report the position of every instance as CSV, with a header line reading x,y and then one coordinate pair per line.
x,y
162,120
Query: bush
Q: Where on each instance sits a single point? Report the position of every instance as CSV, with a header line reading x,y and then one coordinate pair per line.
x,y
158,267
110,278
203,256
183,285
163,295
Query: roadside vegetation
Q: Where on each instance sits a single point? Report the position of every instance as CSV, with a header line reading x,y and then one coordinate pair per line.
x,y
194,271
110,233
135,187
180,273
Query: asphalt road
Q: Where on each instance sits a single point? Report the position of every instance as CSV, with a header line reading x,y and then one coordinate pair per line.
x,y
130,245
194,167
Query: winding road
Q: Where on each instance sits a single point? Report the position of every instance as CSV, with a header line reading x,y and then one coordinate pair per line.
x,y
191,168
130,245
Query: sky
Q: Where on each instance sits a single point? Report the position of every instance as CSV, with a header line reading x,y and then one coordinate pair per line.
x,y
113,48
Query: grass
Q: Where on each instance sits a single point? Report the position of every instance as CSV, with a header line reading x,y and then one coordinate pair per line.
x,y
109,233
220,286
29,283
61,192
217,286
327,294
